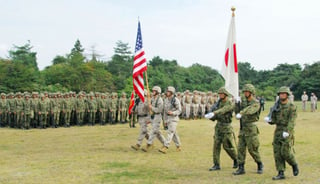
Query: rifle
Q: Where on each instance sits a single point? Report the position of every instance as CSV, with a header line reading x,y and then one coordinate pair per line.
x,y
274,108
215,106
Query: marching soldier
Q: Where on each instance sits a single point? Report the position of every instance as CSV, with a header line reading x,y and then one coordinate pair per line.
x,y
248,113
156,108
142,108
284,119
172,110
224,133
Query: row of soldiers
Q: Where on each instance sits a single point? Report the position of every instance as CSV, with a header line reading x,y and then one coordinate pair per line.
x,y
34,110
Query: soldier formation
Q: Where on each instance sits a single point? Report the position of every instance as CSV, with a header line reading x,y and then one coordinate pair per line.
x,y
34,110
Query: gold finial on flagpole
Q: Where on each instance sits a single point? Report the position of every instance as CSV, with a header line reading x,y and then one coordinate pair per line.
x,y
233,9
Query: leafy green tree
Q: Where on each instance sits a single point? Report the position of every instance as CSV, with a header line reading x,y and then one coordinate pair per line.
x,y
23,54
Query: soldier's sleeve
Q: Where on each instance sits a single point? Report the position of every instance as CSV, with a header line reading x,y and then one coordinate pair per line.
x,y
226,108
251,109
292,118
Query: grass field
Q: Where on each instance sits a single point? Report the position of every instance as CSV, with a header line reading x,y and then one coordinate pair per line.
x,y
102,154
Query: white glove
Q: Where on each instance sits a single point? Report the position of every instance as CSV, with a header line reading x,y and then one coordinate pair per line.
x,y
238,116
209,115
285,134
267,119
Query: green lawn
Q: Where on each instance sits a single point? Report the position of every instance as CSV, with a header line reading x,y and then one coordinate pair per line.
x,y
102,154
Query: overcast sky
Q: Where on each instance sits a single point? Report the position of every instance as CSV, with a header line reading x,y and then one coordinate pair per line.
x,y
190,31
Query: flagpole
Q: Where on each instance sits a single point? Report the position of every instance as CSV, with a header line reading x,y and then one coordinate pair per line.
x,y
233,9
148,95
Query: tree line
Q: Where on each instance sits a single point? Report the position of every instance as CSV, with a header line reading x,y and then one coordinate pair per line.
x,y
76,72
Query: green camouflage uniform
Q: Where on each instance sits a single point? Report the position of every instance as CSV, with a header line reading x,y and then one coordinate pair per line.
x,y
3,110
284,119
35,109
224,133
27,109
11,110
19,110
80,108
123,106
113,108
67,108
55,110
92,109
43,111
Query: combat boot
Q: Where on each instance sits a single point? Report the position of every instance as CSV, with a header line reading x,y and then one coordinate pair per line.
x,y
240,170
135,147
163,150
178,149
215,167
295,170
148,147
235,164
260,168
280,176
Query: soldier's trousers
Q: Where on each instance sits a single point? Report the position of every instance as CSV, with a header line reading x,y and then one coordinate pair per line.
x,y
56,118
188,108
172,134
143,129
104,116
91,118
195,110
80,116
283,151
11,119
3,119
35,119
249,138
155,132
228,142
27,120
19,119
67,117
123,115
112,116
203,109
43,120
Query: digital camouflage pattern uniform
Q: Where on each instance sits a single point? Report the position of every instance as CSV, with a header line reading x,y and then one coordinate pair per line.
x,y
43,111
284,119
224,133
3,110
142,111
27,109
249,132
173,105
156,117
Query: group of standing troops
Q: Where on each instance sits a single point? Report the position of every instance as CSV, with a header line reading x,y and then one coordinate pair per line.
x,y
25,110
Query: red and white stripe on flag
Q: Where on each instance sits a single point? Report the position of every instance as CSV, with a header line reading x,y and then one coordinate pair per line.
x,y
139,66
230,65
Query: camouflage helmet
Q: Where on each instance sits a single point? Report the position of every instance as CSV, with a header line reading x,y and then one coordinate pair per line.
x,y
250,88
171,89
157,89
223,90
284,89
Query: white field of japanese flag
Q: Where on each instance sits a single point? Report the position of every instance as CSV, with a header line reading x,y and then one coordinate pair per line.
x,y
230,65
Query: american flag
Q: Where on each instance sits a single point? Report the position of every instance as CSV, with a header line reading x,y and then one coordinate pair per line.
x,y
139,66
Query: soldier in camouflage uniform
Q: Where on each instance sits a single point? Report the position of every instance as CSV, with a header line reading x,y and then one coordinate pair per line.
x,y
19,110
104,108
27,110
43,111
98,104
113,107
187,104
195,104
203,102
224,133
3,110
35,109
142,110
248,113
54,110
67,107
284,119
123,106
80,109
92,110
172,110
11,110
156,108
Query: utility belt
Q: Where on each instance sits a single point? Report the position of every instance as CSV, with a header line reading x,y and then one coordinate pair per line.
x,y
152,116
142,116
